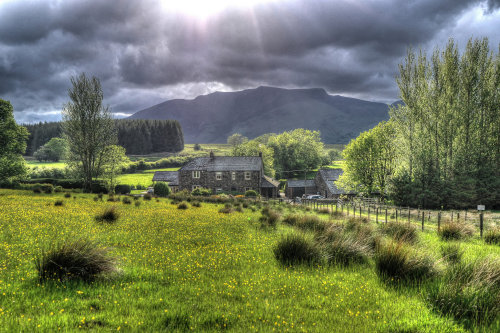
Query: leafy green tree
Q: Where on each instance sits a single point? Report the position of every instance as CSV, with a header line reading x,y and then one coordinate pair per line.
x,y
299,149
253,148
448,129
114,160
12,144
236,139
88,128
54,150
369,160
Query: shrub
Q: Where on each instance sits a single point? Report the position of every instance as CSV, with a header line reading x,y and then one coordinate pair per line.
x,y
58,203
492,236
79,260
182,205
67,195
454,231
126,200
161,189
452,253
147,197
45,188
397,261
122,189
37,189
251,194
311,223
400,232
296,249
109,215
58,189
200,191
469,292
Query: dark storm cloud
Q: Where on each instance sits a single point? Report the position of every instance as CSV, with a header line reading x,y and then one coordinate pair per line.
x,y
144,53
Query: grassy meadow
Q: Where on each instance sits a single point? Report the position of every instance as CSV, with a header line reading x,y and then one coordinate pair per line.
x,y
194,269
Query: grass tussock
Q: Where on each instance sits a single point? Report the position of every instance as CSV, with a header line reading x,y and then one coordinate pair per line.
x,y
344,249
109,215
311,223
270,218
469,292
183,205
292,219
452,253
395,261
58,203
196,204
492,236
453,230
67,195
147,197
79,260
296,249
324,210
227,209
126,200
400,232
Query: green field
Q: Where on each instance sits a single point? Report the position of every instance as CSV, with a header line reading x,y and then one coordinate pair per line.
x,y
144,178
196,269
58,165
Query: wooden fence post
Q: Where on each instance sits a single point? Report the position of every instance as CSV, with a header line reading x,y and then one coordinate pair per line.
x,y
376,215
481,224
396,214
439,221
368,213
423,219
386,215
360,211
409,215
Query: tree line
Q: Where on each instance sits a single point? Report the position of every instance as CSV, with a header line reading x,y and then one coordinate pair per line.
x,y
138,137
441,148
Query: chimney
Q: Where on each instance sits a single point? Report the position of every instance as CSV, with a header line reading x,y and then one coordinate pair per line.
x,y
212,155
260,154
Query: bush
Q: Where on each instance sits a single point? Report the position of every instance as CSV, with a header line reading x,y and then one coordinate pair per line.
x,y
58,203
396,261
122,189
182,205
126,200
58,189
200,191
452,253
492,236
469,292
400,232
251,194
109,215
147,196
161,189
455,231
296,249
79,260
45,188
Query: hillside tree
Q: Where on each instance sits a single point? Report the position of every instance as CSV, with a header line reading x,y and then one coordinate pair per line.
x,y
88,128
236,139
253,148
54,150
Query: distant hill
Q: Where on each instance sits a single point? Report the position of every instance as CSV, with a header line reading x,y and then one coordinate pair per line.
x,y
253,112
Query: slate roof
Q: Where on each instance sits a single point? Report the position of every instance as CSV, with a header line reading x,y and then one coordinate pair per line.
x,y
225,163
329,176
172,177
300,183
269,182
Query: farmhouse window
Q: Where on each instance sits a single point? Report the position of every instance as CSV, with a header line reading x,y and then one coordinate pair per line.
x,y
247,175
196,174
218,175
233,175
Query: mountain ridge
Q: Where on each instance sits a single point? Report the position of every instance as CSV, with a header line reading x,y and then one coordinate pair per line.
x,y
213,117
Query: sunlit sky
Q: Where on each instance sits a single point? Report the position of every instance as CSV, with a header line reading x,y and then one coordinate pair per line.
x,y
149,51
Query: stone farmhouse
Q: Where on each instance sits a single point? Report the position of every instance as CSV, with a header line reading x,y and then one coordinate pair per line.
x,y
228,174
322,184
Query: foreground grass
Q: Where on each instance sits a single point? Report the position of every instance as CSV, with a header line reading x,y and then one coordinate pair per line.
x,y
187,269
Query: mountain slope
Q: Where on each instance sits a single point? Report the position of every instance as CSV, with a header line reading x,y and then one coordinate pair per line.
x,y
253,112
